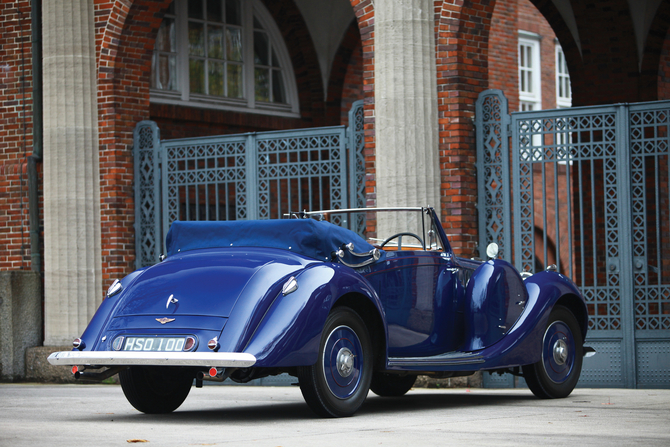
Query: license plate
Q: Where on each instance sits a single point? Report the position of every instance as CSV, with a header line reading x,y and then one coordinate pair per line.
x,y
169,344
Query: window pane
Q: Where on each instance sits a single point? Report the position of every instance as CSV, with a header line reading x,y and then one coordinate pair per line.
x,y
196,39
278,94
167,72
262,80
233,13
196,73
215,41
195,9
257,24
165,40
153,82
235,87
261,49
215,78
275,59
214,11
234,44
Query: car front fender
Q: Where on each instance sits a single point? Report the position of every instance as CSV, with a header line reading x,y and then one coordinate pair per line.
x,y
522,345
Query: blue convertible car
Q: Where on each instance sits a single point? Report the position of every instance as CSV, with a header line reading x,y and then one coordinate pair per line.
x,y
343,310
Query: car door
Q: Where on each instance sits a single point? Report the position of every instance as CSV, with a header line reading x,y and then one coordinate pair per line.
x,y
422,298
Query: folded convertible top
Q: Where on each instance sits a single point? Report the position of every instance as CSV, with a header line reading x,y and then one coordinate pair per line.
x,y
315,239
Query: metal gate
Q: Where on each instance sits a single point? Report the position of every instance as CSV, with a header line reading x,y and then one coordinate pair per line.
x,y
590,195
247,176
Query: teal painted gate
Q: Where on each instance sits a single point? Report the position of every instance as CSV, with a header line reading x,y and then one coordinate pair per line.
x,y
246,176
586,189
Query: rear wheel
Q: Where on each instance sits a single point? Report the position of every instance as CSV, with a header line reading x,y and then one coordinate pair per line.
x,y
155,390
391,385
338,383
557,372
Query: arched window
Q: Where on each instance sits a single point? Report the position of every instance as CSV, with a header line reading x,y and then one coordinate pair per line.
x,y
225,54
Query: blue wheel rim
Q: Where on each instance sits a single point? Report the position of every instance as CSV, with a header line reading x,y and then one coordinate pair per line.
x,y
558,352
342,362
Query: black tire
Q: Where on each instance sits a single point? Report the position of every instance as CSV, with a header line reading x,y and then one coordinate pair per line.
x,y
155,390
391,385
556,374
337,385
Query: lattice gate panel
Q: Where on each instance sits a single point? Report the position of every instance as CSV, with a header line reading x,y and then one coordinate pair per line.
x,y
148,236
301,171
493,180
567,212
650,206
205,179
356,149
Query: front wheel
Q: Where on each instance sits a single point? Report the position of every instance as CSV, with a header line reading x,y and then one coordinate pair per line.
x,y
338,383
557,372
155,390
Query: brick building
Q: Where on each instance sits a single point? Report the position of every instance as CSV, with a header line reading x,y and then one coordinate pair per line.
x,y
210,67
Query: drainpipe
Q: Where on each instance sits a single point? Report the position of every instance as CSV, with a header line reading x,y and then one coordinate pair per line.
x,y
33,201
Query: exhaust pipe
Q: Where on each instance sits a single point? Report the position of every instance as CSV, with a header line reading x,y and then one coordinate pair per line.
x,y
98,376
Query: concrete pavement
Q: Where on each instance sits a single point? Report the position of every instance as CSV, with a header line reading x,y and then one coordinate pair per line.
x,y
79,415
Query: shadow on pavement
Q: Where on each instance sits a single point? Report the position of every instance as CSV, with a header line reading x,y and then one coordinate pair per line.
x,y
294,411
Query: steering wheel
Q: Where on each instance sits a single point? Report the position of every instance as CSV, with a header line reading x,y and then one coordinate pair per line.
x,y
399,236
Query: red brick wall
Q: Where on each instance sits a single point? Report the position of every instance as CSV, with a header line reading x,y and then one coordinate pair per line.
x,y
462,30
352,84
346,77
503,52
16,130
365,17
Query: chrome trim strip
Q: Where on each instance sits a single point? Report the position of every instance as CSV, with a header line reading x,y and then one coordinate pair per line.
x,y
106,358
363,210
454,358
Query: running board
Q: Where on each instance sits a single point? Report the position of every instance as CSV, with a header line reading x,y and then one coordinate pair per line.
x,y
452,358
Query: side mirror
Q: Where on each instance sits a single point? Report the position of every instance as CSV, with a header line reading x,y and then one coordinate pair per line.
x,y
492,250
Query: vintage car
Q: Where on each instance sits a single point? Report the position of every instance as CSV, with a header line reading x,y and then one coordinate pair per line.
x,y
347,301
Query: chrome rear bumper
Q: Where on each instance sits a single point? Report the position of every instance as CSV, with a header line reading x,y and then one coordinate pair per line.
x,y
129,358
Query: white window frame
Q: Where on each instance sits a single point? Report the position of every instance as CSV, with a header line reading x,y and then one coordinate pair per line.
x,y
562,79
248,104
530,73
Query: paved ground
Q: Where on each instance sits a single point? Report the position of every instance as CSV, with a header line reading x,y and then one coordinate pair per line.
x,y
80,415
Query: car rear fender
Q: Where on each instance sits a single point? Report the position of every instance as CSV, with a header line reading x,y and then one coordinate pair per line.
x,y
105,310
290,331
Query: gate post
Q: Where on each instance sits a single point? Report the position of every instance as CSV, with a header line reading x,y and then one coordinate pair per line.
x,y
625,256
356,143
492,123
148,234
252,176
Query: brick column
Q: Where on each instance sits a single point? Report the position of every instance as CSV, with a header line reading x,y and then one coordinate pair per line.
x,y
72,258
407,166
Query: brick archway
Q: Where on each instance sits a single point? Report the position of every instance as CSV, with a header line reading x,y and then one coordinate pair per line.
x,y
365,17
125,44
